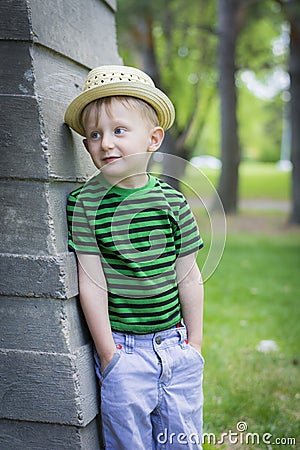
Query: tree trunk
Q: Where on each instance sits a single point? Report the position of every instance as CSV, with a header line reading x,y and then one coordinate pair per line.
x,y
148,56
228,11
295,111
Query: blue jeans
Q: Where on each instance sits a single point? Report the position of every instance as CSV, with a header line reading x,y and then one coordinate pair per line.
x,y
151,392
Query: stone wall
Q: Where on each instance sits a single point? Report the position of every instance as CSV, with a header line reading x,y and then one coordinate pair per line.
x,y
49,395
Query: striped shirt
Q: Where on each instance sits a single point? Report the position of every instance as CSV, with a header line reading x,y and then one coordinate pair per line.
x,y
138,234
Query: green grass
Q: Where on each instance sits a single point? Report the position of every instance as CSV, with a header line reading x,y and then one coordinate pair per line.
x,y
253,296
257,180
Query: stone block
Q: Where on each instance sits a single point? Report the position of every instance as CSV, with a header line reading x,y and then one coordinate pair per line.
x,y
48,387
91,27
38,276
14,20
42,436
42,325
23,145
16,75
25,222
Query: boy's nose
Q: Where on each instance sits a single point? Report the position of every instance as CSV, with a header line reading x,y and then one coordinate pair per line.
x,y
107,142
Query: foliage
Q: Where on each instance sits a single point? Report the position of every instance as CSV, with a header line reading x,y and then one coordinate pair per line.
x,y
186,48
262,24
260,118
184,40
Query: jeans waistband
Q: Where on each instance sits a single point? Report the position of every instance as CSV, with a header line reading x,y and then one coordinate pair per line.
x,y
167,338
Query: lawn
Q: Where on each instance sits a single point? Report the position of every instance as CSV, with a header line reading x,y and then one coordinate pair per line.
x,y
257,181
253,296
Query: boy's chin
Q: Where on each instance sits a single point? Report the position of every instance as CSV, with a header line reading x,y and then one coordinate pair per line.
x,y
111,169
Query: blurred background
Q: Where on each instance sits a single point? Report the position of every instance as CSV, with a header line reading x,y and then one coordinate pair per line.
x,y
232,70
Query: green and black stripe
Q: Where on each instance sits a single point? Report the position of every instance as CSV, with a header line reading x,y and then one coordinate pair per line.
x,y
139,234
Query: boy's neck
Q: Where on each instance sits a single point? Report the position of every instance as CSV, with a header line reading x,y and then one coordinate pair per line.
x,y
131,182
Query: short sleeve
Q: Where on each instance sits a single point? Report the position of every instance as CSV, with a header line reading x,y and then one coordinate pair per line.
x,y
81,236
187,236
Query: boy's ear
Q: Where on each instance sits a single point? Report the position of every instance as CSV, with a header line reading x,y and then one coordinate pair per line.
x,y
85,143
156,138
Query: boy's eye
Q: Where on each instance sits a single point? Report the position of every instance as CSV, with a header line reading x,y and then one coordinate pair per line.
x,y
119,131
95,135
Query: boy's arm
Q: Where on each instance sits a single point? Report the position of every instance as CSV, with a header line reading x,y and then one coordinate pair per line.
x,y
191,295
94,302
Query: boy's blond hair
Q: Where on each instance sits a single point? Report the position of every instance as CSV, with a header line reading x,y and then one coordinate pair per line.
x,y
148,113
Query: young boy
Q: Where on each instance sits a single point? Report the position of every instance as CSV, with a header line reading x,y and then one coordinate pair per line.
x,y
140,288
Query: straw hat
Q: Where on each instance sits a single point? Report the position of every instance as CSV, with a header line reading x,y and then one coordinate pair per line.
x,y
107,81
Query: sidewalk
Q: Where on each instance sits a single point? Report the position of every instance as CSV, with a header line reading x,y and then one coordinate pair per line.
x,y
265,205
261,204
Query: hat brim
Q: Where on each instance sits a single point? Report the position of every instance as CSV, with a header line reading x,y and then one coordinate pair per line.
x,y
150,94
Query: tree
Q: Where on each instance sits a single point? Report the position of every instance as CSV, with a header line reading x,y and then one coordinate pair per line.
x,y
295,107
229,14
239,49
291,9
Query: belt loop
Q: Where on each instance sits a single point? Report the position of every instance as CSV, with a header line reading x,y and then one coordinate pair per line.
x,y
183,335
129,343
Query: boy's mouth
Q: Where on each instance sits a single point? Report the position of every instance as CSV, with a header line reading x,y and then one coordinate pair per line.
x,y
110,159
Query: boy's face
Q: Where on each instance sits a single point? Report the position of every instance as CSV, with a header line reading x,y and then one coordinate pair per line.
x,y
121,143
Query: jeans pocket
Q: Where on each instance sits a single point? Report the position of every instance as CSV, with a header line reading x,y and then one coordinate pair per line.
x,y
196,353
111,365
